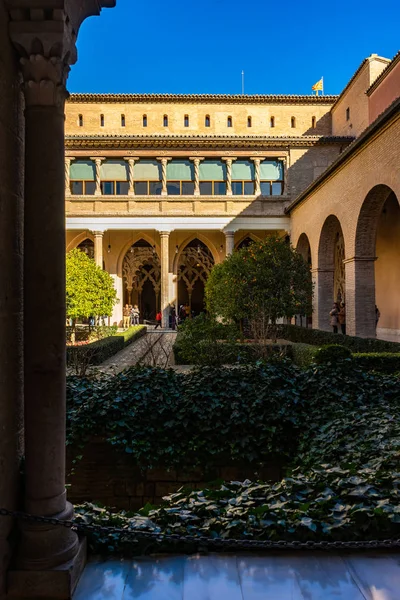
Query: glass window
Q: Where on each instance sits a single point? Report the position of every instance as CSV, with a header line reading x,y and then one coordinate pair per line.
x,y
90,188
77,188
107,188
186,121
272,122
165,120
101,120
155,188
206,188
122,188
173,188
265,188
248,188
237,188
207,121
187,188
220,188
229,122
122,120
141,188
144,120
277,188
248,121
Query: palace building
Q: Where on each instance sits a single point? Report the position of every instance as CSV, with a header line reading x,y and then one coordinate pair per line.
x,y
160,187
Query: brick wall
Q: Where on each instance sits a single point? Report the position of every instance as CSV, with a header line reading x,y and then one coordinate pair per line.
x,y
356,100
260,114
386,92
112,478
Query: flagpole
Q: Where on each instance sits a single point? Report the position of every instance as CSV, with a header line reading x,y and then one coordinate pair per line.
x,y
322,79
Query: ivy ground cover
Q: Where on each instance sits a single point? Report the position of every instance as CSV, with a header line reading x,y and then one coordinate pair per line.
x,y
337,426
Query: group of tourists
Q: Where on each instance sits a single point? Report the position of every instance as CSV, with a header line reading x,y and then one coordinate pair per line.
x,y
131,315
338,317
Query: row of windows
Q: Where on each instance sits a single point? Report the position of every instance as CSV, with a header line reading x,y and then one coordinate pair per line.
x,y
177,188
207,121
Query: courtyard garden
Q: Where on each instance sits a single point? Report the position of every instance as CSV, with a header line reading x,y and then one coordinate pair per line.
x,y
277,432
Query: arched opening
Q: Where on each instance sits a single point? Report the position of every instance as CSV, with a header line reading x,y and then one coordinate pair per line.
x,y
245,242
304,249
207,121
194,266
331,280
229,122
141,271
376,267
87,246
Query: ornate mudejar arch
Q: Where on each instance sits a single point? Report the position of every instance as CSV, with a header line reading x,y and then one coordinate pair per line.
x,y
141,272
194,266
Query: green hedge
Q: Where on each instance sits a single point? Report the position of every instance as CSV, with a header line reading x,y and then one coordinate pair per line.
x,y
98,352
317,337
303,355
228,353
383,362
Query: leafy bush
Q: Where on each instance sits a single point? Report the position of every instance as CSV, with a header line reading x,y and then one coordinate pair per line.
x,y
205,341
97,352
332,354
202,418
317,337
303,355
339,428
383,362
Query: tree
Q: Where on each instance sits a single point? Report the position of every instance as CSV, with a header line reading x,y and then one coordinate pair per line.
x,y
90,290
264,282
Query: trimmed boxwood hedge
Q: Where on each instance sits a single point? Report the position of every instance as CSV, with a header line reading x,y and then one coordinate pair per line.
x,y
383,362
317,337
102,349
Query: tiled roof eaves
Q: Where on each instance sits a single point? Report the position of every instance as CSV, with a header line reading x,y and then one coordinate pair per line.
x,y
382,75
386,116
364,62
231,98
315,138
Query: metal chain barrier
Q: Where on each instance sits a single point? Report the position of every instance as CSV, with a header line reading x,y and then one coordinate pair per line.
x,y
201,540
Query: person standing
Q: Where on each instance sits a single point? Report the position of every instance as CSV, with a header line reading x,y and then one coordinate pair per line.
x,y
377,316
158,320
135,315
334,315
342,318
173,317
127,316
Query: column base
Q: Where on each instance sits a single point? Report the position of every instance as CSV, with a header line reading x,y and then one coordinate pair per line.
x,y
51,584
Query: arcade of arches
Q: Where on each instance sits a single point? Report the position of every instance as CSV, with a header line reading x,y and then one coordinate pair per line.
x,y
141,262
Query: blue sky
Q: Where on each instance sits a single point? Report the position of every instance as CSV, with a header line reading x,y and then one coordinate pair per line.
x,y
177,46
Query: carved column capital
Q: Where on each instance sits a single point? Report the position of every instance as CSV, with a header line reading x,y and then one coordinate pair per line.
x,y
44,34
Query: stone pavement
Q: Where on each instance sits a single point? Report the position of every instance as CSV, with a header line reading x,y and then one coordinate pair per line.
x,y
152,349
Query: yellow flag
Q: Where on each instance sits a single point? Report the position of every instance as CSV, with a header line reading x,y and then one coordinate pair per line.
x,y
319,85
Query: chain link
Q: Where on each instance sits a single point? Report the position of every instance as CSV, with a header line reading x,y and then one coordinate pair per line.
x,y
202,540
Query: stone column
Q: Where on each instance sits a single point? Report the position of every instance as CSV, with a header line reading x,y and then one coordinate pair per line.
x,y
98,248
164,235
68,160
196,160
164,161
228,161
131,162
323,298
98,160
229,242
257,186
49,558
360,296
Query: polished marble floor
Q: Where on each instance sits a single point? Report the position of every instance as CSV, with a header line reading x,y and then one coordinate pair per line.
x,y
244,577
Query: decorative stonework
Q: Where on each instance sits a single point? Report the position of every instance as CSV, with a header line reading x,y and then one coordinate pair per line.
x,y
195,265
135,275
